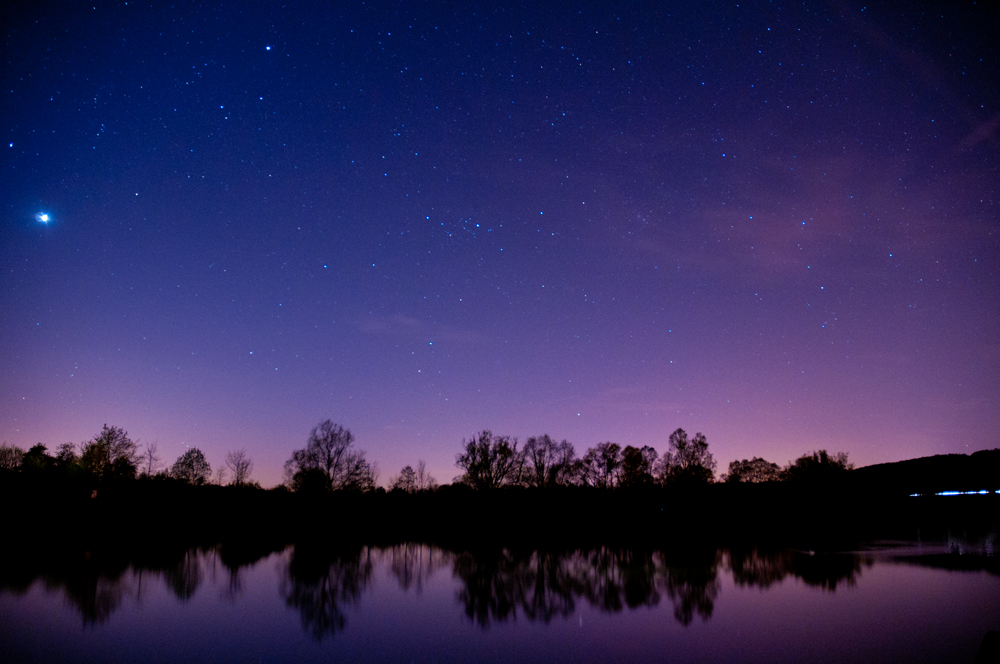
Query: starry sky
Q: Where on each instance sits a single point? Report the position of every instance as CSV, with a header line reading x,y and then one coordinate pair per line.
x,y
776,224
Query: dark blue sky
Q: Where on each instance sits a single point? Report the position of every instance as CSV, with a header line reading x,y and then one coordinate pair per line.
x,y
776,224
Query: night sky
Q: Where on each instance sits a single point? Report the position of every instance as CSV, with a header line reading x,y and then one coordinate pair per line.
x,y
776,224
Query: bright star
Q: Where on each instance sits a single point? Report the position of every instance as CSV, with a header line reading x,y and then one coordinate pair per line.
x,y
43,217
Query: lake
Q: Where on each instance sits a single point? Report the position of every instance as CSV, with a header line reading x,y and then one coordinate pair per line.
x,y
906,602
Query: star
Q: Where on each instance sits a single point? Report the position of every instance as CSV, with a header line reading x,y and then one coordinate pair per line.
x,y
43,217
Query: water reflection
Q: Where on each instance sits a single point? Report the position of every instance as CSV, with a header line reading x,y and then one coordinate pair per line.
x,y
95,592
321,583
764,569
96,584
493,585
413,564
184,577
691,579
497,585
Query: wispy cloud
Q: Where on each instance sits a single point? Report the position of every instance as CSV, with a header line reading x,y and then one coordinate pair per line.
x,y
408,326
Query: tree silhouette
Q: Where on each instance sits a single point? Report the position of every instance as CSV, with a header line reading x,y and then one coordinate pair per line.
x,y
10,457
66,456
406,481
241,465
425,480
687,461
150,460
36,459
490,461
328,463
819,466
637,465
191,467
755,470
548,463
111,454
601,466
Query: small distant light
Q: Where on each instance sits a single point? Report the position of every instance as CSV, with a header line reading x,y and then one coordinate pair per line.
x,y
267,48
43,217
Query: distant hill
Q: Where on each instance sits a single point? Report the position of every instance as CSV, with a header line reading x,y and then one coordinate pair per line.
x,y
941,472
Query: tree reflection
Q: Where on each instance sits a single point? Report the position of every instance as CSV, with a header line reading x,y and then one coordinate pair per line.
x,y
543,585
95,590
553,586
612,579
412,564
763,569
827,571
97,583
751,567
691,580
498,584
493,584
321,582
184,577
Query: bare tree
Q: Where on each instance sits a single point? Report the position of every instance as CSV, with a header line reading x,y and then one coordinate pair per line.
x,y
425,480
548,463
328,463
241,465
10,457
490,461
405,481
150,461
602,465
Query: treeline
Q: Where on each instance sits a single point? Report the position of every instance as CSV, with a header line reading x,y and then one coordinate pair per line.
x,y
111,456
329,462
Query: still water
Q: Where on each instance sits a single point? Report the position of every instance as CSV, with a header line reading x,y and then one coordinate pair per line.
x,y
418,603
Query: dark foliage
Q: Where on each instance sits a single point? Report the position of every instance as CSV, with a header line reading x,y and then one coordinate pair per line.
x,y
329,463
755,470
111,455
191,467
490,461
820,466
687,462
